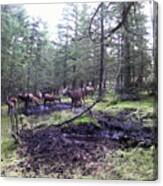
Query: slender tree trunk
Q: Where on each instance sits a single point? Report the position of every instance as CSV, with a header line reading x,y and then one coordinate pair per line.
x,y
155,47
74,78
28,78
126,71
101,54
81,84
65,63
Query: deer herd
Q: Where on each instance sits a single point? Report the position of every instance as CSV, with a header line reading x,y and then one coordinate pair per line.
x,y
77,97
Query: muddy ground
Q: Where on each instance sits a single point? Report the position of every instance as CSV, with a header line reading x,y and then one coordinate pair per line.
x,y
60,151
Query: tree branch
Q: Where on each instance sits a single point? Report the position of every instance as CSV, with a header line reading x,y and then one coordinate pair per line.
x,y
89,28
124,17
122,22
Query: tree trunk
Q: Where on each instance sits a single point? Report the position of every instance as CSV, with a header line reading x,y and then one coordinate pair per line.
x,y
101,54
155,48
74,78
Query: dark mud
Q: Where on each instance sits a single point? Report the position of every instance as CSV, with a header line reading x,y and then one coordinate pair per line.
x,y
68,147
59,151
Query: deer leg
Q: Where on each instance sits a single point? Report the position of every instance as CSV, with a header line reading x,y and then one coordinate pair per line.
x,y
8,111
58,99
83,100
18,104
12,122
37,103
72,103
44,102
75,103
80,102
16,123
25,105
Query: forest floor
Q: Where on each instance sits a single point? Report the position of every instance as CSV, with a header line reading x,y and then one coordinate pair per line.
x,y
116,141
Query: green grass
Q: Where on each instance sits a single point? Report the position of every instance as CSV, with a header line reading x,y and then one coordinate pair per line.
x,y
47,119
7,147
4,122
59,117
135,164
7,143
112,104
143,104
128,164
86,119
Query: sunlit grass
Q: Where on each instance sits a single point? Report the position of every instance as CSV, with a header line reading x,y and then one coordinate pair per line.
x,y
113,105
135,164
128,164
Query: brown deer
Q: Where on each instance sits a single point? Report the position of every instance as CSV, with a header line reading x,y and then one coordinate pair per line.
x,y
39,95
76,96
89,90
11,103
33,99
28,98
50,98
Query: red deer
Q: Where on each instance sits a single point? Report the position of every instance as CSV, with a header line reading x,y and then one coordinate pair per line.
x,y
39,95
11,103
23,98
34,99
50,98
27,98
75,95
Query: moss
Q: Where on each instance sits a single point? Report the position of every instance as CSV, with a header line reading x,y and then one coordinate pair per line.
x,y
83,120
86,119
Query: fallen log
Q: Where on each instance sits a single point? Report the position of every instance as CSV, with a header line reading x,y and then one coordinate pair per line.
x,y
77,116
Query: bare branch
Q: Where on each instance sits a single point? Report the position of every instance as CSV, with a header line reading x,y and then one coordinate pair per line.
x,y
90,25
124,17
122,22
